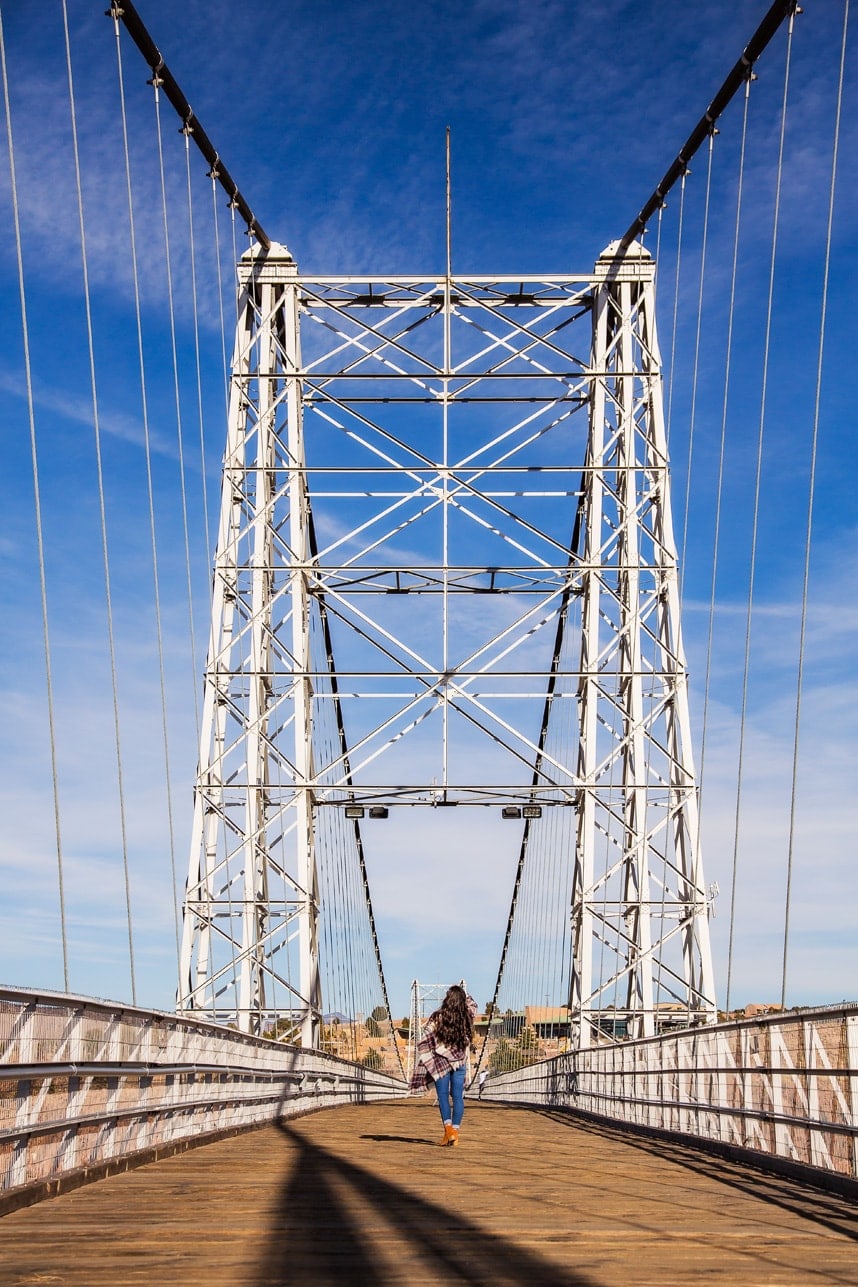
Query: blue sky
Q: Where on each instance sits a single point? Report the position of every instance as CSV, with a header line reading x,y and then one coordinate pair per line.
x,y
331,118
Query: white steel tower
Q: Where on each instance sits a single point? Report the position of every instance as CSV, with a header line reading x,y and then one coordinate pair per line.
x,y
252,889
641,952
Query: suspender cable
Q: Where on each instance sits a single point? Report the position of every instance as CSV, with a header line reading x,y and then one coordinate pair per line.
x,y
346,765
716,543
99,469
180,447
780,10
124,10
671,379
810,501
180,437
696,374
658,240
146,436
197,360
213,175
37,501
757,487
232,208
543,736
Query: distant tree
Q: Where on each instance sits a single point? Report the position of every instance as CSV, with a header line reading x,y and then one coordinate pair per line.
x,y
377,1023
488,1009
372,1059
528,1042
506,1057
285,1030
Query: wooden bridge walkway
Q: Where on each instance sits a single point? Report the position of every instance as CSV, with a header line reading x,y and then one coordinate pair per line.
x,y
362,1195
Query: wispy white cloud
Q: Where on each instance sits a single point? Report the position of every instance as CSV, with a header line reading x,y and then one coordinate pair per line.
x,y
78,410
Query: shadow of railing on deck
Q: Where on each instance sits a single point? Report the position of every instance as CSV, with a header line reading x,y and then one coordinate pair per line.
x,y
832,1210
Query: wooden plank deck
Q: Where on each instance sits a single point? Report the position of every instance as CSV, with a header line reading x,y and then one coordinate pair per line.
x,y
363,1195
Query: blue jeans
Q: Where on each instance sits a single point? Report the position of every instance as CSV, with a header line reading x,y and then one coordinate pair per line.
x,y
452,1086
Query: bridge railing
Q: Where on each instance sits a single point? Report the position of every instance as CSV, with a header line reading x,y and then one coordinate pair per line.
x,y
785,1086
87,1085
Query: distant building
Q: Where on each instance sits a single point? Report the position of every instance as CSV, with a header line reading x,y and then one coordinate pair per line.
x,y
499,1025
547,1021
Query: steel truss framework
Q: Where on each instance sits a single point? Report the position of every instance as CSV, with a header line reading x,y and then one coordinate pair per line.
x,y
458,488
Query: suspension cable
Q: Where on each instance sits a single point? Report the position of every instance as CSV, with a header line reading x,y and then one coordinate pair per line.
x,y
758,478
124,10
737,77
37,501
810,501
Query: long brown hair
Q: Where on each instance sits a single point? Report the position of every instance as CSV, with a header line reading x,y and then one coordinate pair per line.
x,y
454,1026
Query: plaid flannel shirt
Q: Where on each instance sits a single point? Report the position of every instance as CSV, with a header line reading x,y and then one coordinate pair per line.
x,y
433,1062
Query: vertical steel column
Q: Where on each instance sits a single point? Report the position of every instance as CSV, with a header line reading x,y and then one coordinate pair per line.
x,y
637,944
252,897
302,698
197,986
583,928
683,806
260,494
641,951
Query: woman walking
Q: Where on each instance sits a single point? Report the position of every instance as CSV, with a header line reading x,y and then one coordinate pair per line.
x,y
442,1055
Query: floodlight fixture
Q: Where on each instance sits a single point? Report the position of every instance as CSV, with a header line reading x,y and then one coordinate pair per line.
x,y
510,811
354,811
531,811
378,811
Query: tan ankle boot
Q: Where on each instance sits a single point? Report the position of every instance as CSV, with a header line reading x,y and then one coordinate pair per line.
x,y
448,1133
454,1136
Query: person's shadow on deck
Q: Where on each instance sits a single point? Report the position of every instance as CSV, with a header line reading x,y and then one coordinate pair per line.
x,y
317,1236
